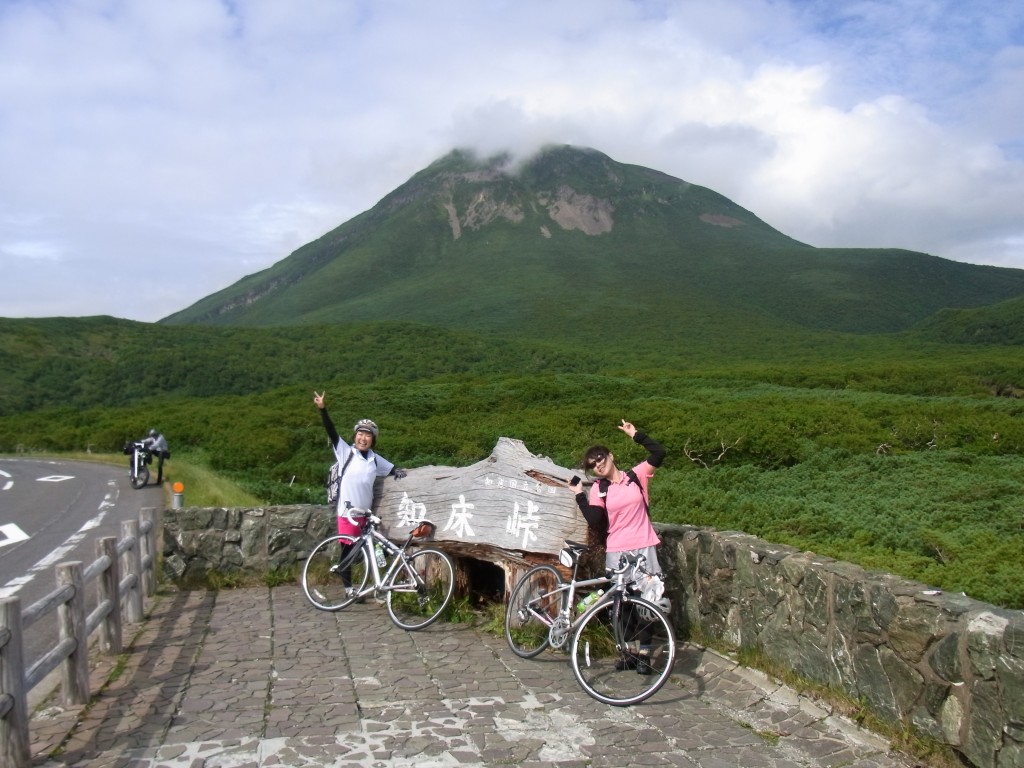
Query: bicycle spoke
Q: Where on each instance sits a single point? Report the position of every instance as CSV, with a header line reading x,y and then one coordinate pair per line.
x,y
420,589
533,607
624,652
330,580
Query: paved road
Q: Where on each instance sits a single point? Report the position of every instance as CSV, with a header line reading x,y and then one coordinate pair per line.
x,y
256,677
53,511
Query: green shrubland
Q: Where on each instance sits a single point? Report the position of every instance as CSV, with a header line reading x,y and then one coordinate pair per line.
x,y
864,404
897,457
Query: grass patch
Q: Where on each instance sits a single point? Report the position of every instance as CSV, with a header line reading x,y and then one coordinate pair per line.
x,y
203,486
119,668
492,619
278,577
206,488
460,610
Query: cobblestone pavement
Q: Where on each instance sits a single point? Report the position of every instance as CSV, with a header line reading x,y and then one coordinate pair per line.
x,y
257,677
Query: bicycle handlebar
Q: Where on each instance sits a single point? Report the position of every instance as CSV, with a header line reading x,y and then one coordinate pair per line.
x,y
627,562
352,512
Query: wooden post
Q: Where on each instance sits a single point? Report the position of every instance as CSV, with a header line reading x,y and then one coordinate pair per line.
x,y
15,748
107,585
147,549
512,509
71,623
133,570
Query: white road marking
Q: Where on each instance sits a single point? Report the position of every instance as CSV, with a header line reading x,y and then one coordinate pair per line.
x,y
12,533
11,587
54,478
9,484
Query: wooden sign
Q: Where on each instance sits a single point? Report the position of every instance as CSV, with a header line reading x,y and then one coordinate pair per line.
x,y
512,507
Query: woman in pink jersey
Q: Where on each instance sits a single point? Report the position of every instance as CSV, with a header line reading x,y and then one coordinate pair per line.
x,y
617,507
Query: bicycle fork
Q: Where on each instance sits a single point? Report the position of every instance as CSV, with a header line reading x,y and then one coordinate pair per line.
x,y
621,644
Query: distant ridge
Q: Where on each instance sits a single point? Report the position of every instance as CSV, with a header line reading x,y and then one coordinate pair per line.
x,y
572,244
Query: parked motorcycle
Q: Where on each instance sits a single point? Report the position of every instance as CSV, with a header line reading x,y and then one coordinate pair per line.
x,y
138,464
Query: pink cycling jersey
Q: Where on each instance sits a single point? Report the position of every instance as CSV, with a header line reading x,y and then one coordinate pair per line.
x,y
629,526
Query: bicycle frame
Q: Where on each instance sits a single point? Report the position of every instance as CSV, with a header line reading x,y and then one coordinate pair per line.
x,y
417,586
391,549
378,584
621,647
562,627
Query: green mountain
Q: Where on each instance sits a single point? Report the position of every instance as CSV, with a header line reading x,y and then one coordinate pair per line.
x,y
1001,323
573,245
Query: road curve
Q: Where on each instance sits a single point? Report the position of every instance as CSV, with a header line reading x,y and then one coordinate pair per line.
x,y
52,511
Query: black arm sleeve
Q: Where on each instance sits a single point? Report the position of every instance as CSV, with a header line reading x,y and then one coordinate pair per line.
x,y
595,515
329,426
654,448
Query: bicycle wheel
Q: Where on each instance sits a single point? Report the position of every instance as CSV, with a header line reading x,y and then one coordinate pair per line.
x,y
322,574
532,608
420,588
623,652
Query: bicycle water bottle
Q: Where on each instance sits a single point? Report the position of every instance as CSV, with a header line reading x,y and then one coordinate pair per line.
x,y
589,600
381,560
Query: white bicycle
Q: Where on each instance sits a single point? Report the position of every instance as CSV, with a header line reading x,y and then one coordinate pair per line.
x,y
415,582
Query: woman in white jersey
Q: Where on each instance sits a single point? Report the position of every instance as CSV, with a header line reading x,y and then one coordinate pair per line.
x,y
356,468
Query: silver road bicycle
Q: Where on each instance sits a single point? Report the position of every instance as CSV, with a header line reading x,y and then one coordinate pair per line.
x,y
621,646
414,581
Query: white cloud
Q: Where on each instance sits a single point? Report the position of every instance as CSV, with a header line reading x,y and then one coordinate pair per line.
x,y
187,144
32,250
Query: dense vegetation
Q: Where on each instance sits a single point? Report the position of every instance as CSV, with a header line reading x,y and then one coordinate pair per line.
x,y
863,404
891,453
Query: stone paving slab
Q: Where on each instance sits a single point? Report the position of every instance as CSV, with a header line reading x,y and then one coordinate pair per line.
x,y
250,678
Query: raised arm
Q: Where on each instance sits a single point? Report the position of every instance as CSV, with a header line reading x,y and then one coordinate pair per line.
x,y
318,401
655,451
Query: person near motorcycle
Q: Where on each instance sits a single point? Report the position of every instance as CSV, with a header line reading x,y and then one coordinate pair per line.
x,y
156,444
357,467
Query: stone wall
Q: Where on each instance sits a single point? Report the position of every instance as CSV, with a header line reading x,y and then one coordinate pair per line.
x,y
951,667
249,543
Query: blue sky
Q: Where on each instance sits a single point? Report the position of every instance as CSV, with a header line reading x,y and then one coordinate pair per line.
x,y
153,153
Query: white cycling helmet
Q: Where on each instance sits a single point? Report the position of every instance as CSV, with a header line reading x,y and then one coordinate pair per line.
x,y
366,425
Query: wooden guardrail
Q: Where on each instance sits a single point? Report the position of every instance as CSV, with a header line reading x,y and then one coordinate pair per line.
x,y
124,572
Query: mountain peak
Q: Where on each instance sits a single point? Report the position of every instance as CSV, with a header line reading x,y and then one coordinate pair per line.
x,y
569,241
